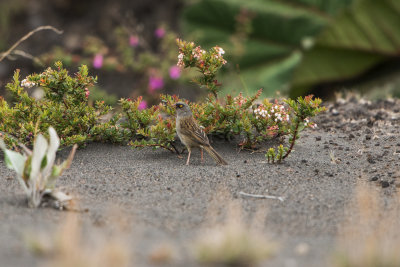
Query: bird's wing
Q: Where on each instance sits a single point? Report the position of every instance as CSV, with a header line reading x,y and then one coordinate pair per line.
x,y
194,132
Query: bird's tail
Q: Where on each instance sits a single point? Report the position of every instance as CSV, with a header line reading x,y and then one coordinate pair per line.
x,y
217,157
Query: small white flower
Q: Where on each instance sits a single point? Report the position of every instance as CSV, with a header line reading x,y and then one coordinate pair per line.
x,y
220,50
26,83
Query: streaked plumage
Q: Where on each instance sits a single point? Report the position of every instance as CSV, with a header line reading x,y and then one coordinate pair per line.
x,y
191,135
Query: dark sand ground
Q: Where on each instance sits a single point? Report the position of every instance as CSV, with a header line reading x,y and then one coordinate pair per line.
x,y
164,201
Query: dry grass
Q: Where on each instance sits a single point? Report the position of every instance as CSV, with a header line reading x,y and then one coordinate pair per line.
x,y
371,235
162,254
70,246
232,242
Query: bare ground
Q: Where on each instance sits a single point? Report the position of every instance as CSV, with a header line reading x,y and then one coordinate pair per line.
x,y
163,201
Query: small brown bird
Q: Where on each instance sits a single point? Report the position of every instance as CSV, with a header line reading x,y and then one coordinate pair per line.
x,y
192,135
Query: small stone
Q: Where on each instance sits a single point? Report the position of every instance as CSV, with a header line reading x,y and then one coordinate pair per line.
x,y
238,175
318,138
368,137
375,178
335,112
245,161
303,161
385,184
351,136
368,131
370,159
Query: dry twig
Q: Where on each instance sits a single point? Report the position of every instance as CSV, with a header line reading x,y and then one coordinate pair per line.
x,y
12,48
261,196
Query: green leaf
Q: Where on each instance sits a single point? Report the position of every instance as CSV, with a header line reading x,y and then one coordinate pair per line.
x,y
271,47
361,37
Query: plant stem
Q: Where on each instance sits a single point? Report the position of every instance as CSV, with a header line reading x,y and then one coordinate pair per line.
x,y
293,139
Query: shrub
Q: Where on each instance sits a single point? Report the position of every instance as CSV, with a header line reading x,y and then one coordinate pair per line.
x,y
64,105
228,117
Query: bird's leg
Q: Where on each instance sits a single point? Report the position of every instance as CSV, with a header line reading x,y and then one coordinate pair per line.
x,y
201,153
187,162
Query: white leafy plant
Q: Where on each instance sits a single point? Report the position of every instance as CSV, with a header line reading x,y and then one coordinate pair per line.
x,y
36,171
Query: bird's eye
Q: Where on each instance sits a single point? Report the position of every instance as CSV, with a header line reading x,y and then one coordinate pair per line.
x,y
180,106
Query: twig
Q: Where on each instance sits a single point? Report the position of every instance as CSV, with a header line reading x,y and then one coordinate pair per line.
x,y
48,27
261,196
26,55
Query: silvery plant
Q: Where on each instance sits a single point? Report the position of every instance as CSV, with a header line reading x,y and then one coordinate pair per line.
x,y
36,171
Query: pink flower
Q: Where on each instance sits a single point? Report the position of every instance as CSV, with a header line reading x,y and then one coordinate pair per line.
x,y
174,72
87,93
133,40
159,32
155,83
142,105
98,61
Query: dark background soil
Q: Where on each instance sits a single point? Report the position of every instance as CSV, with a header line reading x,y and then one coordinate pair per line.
x,y
165,201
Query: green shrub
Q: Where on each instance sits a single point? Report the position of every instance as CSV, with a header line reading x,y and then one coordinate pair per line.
x,y
64,106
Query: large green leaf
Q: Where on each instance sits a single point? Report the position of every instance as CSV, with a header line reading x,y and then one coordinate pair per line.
x,y
361,37
272,48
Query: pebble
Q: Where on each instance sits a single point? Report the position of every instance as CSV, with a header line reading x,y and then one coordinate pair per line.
x,y
368,131
335,112
385,184
370,159
375,178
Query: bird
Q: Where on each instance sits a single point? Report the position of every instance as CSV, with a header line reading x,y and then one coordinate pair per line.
x,y
191,135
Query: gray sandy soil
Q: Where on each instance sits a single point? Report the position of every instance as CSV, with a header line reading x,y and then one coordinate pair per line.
x,y
164,201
